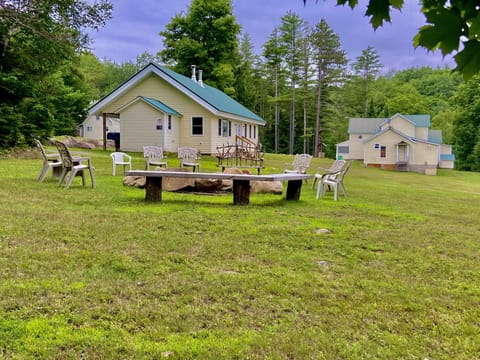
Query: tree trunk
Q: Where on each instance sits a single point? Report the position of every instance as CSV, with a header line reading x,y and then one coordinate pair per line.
x,y
318,114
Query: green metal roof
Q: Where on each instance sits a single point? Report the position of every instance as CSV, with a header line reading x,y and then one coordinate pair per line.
x,y
216,98
447,157
419,120
161,106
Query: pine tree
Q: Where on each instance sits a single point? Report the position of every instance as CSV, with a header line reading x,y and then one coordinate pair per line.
x,y
330,62
367,66
205,36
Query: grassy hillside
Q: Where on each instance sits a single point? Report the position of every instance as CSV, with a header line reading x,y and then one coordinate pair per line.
x,y
99,273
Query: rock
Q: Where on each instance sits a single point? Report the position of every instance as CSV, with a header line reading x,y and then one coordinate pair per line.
x,y
274,187
323,231
208,185
137,181
175,184
227,185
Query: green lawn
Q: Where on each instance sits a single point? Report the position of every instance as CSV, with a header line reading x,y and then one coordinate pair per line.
x,y
99,273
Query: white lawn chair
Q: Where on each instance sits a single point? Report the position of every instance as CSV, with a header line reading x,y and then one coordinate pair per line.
x,y
154,156
50,160
121,158
74,165
321,172
189,157
300,164
335,181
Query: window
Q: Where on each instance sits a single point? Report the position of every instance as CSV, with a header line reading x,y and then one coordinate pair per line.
x,y
197,125
343,149
169,122
159,125
383,151
376,146
254,132
224,128
250,131
89,128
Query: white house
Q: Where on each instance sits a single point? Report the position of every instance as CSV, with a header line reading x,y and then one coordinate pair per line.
x,y
158,106
402,142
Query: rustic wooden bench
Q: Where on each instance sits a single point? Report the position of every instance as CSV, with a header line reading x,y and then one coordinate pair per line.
x,y
241,183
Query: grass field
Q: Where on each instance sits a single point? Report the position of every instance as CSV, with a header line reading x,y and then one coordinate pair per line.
x,y
100,274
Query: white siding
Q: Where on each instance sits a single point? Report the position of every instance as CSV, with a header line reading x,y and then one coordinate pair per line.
x,y
139,127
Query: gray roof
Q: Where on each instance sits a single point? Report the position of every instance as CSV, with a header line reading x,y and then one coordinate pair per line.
x,y
364,125
435,136
372,125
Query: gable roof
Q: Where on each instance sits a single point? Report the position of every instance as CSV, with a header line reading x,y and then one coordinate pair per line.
x,y
435,136
399,133
209,97
419,120
372,125
157,104
364,125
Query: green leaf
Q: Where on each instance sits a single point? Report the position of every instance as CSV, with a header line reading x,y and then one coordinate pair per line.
x,y
444,33
397,4
379,10
468,60
474,30
351,3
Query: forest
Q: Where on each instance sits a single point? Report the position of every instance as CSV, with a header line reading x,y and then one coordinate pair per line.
x,y
301,83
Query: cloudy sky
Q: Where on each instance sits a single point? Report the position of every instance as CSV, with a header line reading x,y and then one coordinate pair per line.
x,y
135,26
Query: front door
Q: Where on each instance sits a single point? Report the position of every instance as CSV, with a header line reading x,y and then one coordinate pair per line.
x,y
402,152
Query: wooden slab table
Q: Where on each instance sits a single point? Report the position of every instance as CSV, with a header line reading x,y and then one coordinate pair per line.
x,y
241,183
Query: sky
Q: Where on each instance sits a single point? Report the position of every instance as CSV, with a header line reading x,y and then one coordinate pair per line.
x,y
135,28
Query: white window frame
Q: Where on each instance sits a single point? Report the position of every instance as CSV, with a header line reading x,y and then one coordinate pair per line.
x,y
224,128
202,126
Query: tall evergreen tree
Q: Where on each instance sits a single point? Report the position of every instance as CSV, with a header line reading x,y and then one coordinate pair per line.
x,y
245,80
274,53
292,32
330,62
367,66
205,36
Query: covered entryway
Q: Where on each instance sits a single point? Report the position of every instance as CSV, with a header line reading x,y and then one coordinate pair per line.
x,y
402,153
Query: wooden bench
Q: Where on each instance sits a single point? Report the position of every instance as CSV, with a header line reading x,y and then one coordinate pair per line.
x,y
241,183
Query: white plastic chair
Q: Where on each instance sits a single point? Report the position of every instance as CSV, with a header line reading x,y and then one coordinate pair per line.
x,y
120,158
335,181
300,164
154,156
50,160
321,172
189,157
74,165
